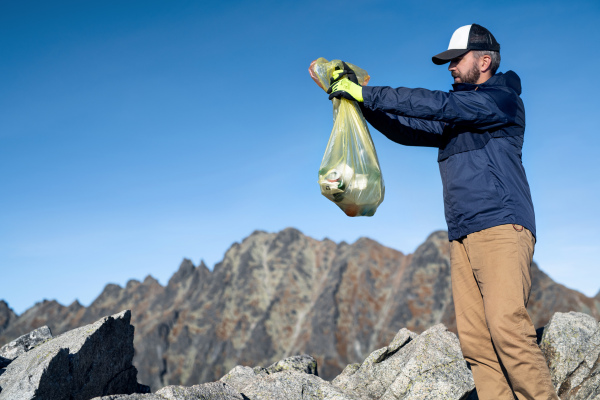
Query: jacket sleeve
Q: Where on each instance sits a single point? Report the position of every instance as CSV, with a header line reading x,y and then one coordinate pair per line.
x,y
404,130
460,108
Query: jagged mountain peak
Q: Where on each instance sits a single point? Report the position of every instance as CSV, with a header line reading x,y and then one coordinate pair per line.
x,y
149,280
75,305
7,315
436,245
285,236
257,232
129,285
5,308
365,241
187,263
45,303
186,268
289,235
110,288
438,237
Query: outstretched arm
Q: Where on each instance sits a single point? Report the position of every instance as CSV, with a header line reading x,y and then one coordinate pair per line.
x,y
403,130
465,107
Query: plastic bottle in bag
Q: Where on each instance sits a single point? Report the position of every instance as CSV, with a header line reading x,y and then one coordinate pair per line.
x,y
349,175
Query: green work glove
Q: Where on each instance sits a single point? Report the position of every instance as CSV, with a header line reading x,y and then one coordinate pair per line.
x,y
347,89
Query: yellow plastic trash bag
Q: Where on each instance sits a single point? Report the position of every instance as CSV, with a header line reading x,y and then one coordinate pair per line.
x,y
349,175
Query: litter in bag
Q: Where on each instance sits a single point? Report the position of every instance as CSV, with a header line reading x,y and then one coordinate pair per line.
x,y
349,174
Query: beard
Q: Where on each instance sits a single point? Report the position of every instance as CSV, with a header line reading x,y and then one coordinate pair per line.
x,y
471,76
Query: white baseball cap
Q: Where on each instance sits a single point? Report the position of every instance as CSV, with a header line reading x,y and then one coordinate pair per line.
x,y
465,38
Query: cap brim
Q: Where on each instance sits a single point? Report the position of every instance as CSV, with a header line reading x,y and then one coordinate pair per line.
x,y
448,55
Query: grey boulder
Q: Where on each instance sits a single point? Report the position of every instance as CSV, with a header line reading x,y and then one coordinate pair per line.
x,y
427,366
25,343
90,361
571,345
207,391
302,363
240,377
291,378
294,385
135,396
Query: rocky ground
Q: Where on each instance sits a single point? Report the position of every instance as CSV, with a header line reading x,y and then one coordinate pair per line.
x,y
95,362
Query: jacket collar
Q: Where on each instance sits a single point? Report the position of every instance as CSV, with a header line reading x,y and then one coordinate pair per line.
x,y
510,79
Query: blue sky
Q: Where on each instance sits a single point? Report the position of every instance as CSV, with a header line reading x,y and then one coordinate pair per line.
x,y
136,133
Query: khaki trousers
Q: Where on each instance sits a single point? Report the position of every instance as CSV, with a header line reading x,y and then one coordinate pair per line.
x,y
491,283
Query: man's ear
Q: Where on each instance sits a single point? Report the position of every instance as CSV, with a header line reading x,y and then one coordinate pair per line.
x,y
485,62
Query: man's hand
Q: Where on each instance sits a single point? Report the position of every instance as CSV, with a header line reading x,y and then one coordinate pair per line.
x,y
347,89
341,73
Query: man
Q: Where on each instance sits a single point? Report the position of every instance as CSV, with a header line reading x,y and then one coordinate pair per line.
x,y
478,128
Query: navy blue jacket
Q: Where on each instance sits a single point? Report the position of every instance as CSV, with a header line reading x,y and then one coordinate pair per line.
x,y
479,131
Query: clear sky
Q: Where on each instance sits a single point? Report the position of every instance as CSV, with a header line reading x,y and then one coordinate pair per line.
x,y
136,133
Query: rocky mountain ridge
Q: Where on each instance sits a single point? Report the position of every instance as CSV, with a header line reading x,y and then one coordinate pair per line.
x,y
279,294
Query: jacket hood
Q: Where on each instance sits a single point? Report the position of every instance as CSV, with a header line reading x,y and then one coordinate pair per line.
x,y
509,79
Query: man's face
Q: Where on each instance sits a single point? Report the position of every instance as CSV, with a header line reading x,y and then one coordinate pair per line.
x,y
465,69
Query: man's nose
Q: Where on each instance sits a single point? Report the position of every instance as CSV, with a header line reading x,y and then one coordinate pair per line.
x,y
452,65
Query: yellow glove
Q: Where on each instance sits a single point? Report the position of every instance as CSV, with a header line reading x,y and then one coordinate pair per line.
x,y
347,89
346,72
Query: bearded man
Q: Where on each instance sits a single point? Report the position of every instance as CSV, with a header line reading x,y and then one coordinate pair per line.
x,y
478,128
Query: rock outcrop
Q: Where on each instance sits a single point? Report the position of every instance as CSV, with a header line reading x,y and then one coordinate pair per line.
x,y
24,343
412,366
89,363
83,363
571,345
428,366
275,295
292,378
